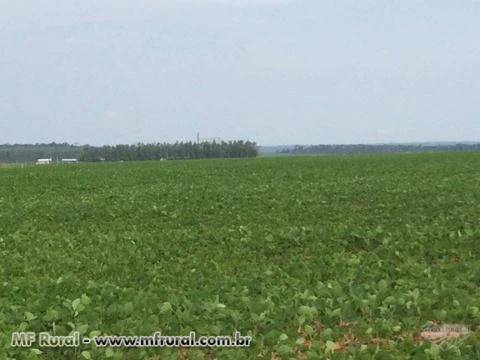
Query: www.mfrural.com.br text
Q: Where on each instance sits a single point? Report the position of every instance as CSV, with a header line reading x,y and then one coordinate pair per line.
x,y
45,339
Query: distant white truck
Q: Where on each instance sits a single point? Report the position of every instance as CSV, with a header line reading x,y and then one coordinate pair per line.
x,y
70,161
43,161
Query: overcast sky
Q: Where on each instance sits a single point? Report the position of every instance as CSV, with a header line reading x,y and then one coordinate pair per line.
x,y
272,71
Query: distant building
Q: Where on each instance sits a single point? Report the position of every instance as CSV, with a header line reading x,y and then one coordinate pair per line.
x,y
43,161
70,161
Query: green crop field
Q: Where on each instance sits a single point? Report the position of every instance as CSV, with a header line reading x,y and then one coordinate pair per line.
x,y
313,257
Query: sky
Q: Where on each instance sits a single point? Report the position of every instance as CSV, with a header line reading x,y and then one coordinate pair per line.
x,y
271,71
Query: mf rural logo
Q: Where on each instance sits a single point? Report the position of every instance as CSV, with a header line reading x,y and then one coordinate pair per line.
x,y
44,339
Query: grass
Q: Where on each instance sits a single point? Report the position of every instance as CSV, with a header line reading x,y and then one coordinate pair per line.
x,y
314,257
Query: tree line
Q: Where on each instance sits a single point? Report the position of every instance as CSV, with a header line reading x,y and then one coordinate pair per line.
x,y
27,153
176,151
378,148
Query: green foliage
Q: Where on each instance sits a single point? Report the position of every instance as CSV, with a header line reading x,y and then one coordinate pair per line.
x,y
316,257
176,151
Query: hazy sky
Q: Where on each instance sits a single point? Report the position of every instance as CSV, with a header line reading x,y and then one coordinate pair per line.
x,y
273,71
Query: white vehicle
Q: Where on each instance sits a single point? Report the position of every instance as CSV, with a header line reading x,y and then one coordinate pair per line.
x,y
43,161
